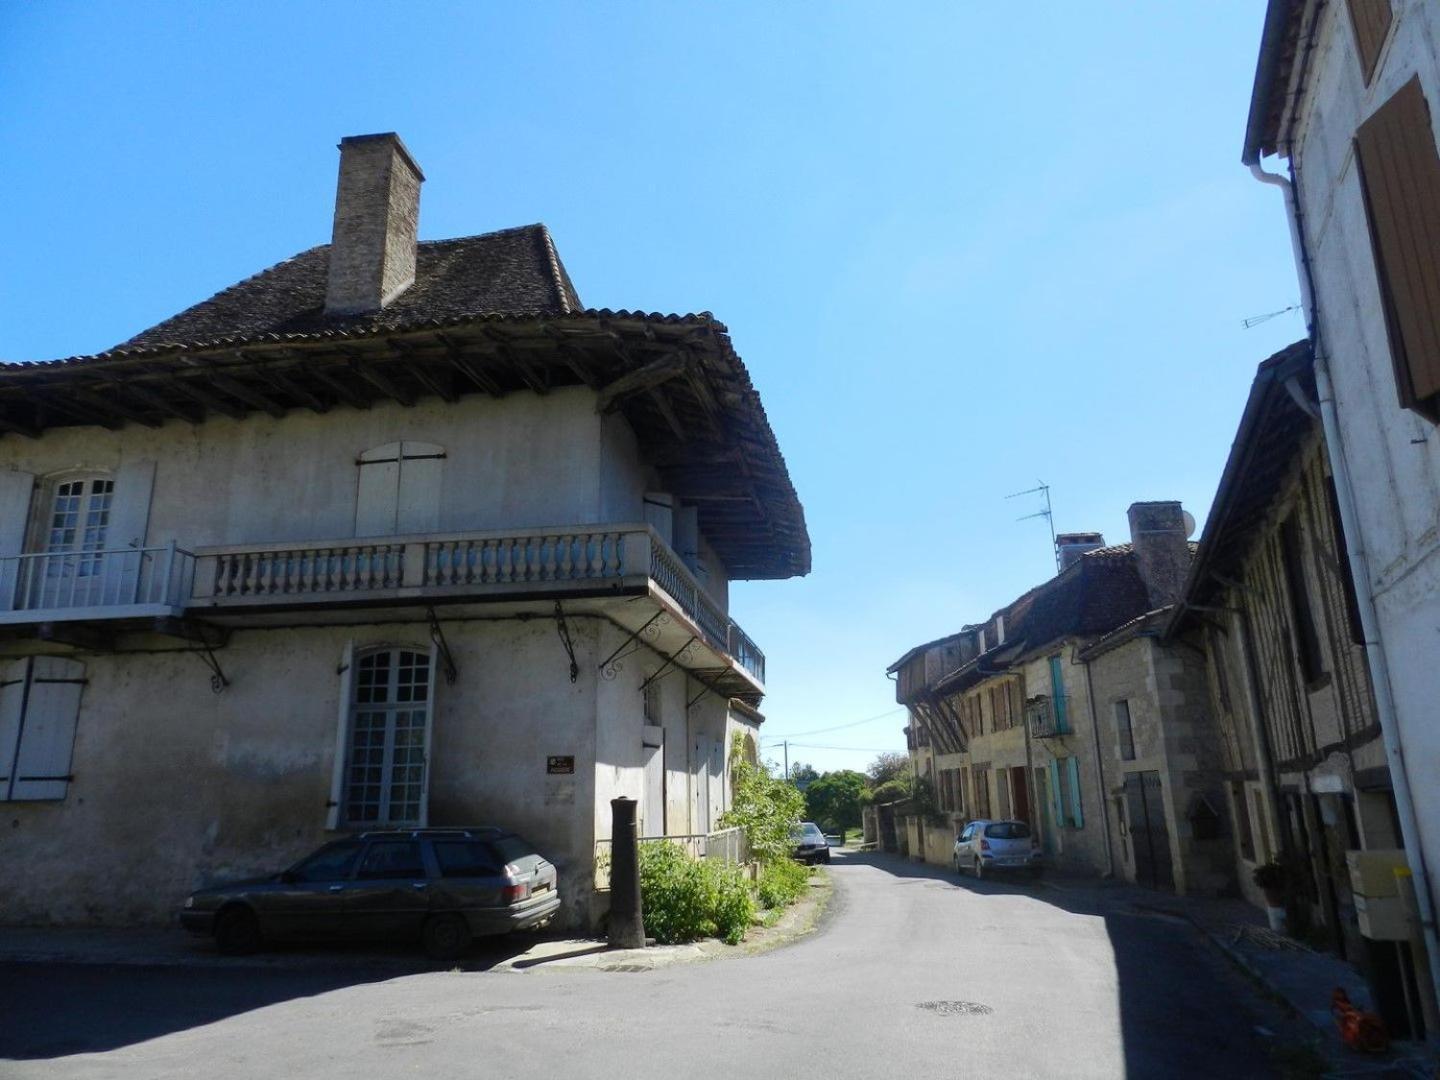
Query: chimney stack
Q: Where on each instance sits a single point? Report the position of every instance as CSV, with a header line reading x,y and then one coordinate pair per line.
x,y
1160,535
377,215
1070,546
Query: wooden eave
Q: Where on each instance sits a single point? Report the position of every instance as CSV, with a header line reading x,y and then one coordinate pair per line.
x,y
676,379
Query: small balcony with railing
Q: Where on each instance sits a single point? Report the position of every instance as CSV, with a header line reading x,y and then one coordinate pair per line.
x,y
1048,717
101,585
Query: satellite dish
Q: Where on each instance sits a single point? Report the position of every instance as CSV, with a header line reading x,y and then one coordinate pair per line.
x,y
1189,523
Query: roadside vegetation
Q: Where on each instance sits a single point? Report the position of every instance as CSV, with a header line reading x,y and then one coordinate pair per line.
x,y
685,898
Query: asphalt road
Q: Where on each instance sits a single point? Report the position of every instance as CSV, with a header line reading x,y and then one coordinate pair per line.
x,y
912,973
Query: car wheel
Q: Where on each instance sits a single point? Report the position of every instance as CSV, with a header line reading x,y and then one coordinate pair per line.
x,y
825,858
237,932
955,862
979,869
446,937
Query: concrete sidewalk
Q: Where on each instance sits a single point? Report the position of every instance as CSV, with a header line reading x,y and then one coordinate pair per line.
x,y
1301,977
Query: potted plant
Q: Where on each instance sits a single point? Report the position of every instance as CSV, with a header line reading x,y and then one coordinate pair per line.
x,y
1271,877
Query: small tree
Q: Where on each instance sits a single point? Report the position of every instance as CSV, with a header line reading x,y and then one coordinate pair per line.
x,y
765,806
835,799
891,766
802,774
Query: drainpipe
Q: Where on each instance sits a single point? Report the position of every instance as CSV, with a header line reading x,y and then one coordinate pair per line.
x,y
1100,769
1359,571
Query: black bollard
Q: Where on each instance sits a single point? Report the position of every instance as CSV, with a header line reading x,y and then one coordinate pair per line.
x,y
627,921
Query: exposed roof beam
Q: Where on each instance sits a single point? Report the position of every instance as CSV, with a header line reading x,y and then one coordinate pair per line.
x,y
159,401
382,382
343,390
112,404
193,389
642,378
248,394
286,385
657,395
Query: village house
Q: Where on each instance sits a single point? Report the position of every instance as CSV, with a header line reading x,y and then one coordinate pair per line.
x,y
1271,602
1065,710
393,533
1346,93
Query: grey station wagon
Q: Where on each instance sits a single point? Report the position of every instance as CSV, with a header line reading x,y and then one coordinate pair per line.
x,y
442,887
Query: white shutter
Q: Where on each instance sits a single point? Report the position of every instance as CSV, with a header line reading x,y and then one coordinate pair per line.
x,y
47,729
429,732
342,737
378,494
418,507
130,506
12,705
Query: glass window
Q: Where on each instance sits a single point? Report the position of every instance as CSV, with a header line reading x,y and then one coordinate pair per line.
x,y
465,858
385,774
331,863
1123,730
512,848
1008,830
392,859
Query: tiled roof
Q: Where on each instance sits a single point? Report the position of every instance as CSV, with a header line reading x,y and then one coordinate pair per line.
x,y
514,271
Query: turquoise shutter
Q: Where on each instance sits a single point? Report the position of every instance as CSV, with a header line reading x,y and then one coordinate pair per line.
x,y
1055,800
1072,765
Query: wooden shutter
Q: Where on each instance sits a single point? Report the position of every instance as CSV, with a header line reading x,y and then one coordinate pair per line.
x,y
1057,794
1400,182
342,738
14,679
16,491
130,506
418,502
1077,813
1370,20
47,729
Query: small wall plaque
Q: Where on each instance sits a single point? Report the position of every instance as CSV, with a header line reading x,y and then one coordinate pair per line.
x,y
560,764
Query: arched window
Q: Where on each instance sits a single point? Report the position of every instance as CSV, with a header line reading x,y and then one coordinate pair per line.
x,y
387,747
399,489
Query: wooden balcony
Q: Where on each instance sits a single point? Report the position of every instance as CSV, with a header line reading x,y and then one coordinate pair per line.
x,y
585,566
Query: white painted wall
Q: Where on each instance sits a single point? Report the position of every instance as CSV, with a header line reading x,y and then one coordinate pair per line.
x,y
1394,455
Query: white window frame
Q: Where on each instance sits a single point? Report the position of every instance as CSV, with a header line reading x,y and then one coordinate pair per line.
x,y
339,788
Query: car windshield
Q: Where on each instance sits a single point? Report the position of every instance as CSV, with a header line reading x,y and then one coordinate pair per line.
x,y
512,848
1008,830
811,833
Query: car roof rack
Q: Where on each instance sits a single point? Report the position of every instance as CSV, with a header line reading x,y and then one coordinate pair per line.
x,y
470,831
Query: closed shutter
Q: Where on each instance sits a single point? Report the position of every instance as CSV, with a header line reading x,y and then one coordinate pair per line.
x,y
1077,814
39,707
1371,21
399,489
342,737
47,731
16,491
1057,793
130,505
1400,181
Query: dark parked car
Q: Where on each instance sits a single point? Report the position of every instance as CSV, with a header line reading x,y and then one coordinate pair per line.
x,y
810,843
442,887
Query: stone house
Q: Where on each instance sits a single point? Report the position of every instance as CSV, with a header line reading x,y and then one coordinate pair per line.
x,y
1065,710
1346,93
1271,602
393,533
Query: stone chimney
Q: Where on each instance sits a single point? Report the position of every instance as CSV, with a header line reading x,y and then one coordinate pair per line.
x,y
1160,535
1070,546
377,214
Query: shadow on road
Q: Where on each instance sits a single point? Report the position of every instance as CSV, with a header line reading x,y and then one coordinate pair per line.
x,y
53,1010
1178,1003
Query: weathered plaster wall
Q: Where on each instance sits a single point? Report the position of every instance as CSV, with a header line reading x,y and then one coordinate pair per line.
x,y
1393,454
176,787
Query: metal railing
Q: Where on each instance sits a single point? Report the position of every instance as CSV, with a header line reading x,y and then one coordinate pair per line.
x,y
114,579
727,845
718,629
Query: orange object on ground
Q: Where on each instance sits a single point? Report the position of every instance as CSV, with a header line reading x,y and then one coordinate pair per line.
x,y
1360,1030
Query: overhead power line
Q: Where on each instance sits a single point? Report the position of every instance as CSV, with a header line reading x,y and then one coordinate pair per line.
x,y
837,727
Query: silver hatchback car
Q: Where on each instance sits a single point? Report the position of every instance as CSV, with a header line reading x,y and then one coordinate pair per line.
x,y
985,847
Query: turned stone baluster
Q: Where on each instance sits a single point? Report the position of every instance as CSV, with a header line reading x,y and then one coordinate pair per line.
x,y
567,552
548,544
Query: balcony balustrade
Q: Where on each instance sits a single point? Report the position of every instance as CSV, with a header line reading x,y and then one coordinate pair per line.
x,y
1048,717
76,585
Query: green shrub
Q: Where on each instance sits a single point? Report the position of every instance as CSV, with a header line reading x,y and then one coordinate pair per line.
x,y
782,882
766,807
734,902
686,898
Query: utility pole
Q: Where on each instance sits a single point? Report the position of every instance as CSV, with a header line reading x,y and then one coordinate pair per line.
x,y
786,745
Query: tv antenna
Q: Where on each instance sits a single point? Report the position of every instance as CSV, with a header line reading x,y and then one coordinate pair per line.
x,y
1043,489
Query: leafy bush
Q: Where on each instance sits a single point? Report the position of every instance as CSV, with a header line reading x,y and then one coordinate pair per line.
x,y
835,799
767,808
734,902
686,898
891,791
782,882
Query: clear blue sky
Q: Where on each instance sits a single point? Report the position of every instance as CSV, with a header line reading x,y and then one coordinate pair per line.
x,y
959,249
